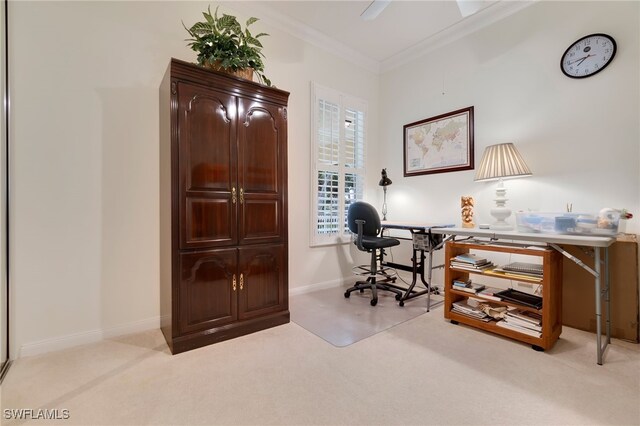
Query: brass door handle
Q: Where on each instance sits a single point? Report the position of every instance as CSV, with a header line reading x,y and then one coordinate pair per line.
x,y
241,281
234,282
241,196
233,195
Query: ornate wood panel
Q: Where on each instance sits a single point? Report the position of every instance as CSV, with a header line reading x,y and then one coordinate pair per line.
x,y
207,295
208,165
261,172
263,280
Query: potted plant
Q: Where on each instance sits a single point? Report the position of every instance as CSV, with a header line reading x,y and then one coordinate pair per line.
x,y
223,45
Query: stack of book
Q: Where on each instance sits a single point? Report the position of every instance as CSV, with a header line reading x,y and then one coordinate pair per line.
x,y
520,270
463,308
490,293
467,286
470,262
523,322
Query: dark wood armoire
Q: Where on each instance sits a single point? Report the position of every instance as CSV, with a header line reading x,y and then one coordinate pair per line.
x,y
223,206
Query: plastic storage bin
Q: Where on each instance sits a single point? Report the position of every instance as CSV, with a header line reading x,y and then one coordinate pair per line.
x,y
604,223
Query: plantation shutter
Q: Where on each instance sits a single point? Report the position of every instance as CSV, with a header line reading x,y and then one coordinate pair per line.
x,y
338,135
354,160
328,154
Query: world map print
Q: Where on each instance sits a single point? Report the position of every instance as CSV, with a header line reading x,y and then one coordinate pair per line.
x,y
437,144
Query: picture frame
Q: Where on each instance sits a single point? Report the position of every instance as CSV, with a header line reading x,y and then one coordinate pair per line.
x,y
439,144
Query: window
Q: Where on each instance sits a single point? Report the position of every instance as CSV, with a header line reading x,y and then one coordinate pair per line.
x,y
338,144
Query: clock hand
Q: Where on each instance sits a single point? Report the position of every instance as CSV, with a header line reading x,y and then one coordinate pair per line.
x,y
579,60
583,59
574,61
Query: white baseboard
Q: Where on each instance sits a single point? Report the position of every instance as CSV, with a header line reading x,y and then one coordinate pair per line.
x,y
71,340
64,342
318,286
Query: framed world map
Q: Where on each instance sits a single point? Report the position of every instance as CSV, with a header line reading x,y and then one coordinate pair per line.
x,y
439,144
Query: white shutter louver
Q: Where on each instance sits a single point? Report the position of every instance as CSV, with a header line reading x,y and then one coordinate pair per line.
x,y
338,163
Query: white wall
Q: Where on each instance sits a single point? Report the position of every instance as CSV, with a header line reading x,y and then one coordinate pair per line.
x,y
579,137
84,157
85,218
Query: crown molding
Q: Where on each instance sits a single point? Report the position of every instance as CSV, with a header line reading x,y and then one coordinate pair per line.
x,y
306,33
483,18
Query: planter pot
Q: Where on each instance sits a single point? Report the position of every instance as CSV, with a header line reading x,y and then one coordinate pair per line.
x,y
246,73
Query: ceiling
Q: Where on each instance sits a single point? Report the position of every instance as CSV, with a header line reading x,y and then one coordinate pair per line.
x,y
399,31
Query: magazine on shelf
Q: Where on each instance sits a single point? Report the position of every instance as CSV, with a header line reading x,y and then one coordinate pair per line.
x,y
520,323
490,293
471,288
531,317
524,275
516,317
513,275
470,267
523,330
530,268
484,319
461,283
462,306
470,258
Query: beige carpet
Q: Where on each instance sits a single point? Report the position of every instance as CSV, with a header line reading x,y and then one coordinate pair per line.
x,y
343,321
424,371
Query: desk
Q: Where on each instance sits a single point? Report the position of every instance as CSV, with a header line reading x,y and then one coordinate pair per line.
x,y
432,243
595,242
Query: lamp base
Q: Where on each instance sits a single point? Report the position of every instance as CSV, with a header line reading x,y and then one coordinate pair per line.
x,y
500,212
501,226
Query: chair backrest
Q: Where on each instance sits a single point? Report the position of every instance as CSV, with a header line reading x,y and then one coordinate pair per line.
x,y
363,211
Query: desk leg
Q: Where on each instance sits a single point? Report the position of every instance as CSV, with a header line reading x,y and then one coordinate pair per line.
x,y
418,266
607,296
598,305
428,283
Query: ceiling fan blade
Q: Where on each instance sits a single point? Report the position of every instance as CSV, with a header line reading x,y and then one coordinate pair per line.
x,y
469,7
374,9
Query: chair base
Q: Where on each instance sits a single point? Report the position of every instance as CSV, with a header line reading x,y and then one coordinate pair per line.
x,y
374,286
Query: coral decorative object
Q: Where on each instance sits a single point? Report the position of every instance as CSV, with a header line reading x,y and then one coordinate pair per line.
x,y
467,204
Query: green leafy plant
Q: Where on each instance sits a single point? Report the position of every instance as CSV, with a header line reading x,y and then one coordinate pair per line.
x,y
222,43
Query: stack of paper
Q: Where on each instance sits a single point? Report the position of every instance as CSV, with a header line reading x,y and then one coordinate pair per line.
x,y
462,307
523,322
470,262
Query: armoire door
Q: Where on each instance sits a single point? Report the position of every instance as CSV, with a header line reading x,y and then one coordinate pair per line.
x,y
207,290
262,163
208,167
262,286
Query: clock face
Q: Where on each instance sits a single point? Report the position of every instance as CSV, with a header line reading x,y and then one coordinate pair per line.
x,y
588,56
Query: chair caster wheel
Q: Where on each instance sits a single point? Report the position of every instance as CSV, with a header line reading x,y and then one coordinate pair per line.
x,y
398,297
454,322
347,294
401,303
374,302
537,348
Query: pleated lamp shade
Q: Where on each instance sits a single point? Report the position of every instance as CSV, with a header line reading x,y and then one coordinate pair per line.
x,y
501,161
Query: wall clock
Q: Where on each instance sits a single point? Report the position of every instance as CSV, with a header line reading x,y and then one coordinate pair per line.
x,y
588,56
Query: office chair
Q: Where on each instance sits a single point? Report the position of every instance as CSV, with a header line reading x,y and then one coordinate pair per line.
x,y
364,223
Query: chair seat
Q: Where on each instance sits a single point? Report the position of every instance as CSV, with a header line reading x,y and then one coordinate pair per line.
x,y
371,243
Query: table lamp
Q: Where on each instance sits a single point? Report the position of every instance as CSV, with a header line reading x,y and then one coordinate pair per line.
x,y
384,182
499,162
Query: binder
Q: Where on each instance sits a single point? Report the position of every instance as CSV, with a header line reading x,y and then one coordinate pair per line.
x,y
522,298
